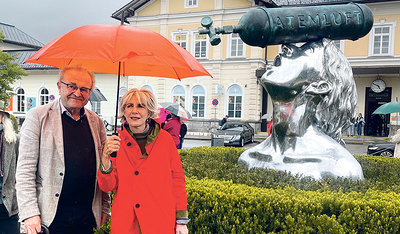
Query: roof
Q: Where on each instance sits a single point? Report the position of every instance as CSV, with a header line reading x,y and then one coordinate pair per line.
x,y
129,9
15,36
322,2
23,55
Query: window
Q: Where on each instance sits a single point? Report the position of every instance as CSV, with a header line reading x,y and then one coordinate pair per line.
x,y
96,107
235,102
148,87
43,96
381,41
20,100
181,38
339,44
198,102
236,47
200,45
178,95
191,3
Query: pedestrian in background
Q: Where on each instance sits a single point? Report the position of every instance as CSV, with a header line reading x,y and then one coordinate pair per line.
x,y
350,129
359,122
173,127
147,172
9,142
223,121
396,139
182,133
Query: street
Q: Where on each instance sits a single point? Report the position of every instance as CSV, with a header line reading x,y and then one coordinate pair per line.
x,y
352,148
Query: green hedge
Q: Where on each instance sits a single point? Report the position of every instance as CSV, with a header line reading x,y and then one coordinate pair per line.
x,y
220,163
225,207
225,197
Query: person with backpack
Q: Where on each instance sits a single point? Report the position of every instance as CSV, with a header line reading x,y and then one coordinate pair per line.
x,y
223,121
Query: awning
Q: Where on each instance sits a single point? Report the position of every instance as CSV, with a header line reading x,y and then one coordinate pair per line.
x,y
377,70
97,96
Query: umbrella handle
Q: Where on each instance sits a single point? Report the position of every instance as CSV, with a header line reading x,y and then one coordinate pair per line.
x,y
45,229
114,154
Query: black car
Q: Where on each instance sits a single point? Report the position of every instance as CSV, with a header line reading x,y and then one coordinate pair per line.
x,y
235,133
381,149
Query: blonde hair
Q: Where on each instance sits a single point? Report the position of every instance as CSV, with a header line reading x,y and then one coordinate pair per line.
x,y
145,98
8,128
78,67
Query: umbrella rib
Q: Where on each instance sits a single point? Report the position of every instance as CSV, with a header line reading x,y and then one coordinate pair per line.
x,y
177,73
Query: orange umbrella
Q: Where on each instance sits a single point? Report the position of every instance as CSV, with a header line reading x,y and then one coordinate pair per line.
x,y
121,50
101,48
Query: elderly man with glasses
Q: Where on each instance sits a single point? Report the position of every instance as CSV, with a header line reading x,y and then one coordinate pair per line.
x,y
60,149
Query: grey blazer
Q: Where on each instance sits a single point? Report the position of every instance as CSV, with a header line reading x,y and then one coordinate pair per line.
x,y
41,168
8,191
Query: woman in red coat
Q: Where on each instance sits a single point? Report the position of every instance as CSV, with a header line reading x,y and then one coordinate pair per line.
x,y
147,174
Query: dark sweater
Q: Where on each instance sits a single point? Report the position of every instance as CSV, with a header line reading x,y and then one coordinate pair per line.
x,y
80,162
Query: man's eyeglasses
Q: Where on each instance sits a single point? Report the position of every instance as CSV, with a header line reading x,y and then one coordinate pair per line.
x,y
73,88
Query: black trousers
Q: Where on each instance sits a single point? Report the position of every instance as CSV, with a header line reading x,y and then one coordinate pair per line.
x,y
73,219
8,225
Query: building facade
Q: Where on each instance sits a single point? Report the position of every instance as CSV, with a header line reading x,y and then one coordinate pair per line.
x,y
235,66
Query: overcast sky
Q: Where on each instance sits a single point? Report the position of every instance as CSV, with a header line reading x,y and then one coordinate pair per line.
x,y
45,20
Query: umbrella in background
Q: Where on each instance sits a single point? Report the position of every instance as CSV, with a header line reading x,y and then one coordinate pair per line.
x,y
267,116
176,109
121,50
97,96
387,108
162,114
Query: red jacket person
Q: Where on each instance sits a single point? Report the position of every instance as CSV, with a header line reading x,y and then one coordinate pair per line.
x,y
147,173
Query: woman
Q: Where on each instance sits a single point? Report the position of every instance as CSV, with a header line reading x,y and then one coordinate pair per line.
x,y
359,122
9,143
147,173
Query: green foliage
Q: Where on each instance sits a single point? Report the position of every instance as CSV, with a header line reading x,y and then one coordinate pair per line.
x,y
220,163
9,73
15,123
225,207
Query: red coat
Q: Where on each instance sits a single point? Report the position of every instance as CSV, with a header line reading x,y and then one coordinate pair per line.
x,y
149,189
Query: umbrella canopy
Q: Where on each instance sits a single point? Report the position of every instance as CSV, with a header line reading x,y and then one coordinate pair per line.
x,y
100,48
176,109
390,107
121,50
97,96
162,114
267,116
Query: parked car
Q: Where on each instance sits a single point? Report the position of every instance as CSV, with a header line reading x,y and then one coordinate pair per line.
x,y
381,149
235,133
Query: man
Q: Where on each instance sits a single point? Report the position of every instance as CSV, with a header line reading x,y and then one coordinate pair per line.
x,y
60,150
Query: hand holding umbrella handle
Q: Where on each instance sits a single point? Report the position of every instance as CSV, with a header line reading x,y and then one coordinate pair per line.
x,y
114,154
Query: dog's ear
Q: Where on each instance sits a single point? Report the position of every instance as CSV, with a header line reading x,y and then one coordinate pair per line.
x,y
319,88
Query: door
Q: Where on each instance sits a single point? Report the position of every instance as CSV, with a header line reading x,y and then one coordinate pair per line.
x,y
376,125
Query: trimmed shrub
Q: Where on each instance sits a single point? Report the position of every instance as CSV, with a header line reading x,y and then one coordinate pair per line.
x,y
225,207
220,163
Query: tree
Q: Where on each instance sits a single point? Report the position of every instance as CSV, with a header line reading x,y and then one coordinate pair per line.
x,y
9,72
